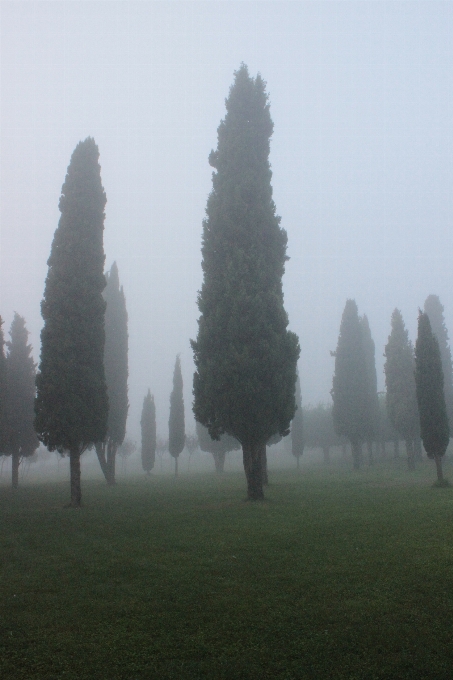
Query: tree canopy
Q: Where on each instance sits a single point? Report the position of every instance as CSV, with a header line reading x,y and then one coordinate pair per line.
x,y
244,355
176,422
148,425
435,310
297,426
71,404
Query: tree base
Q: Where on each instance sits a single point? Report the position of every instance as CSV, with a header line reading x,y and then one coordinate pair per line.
x,y
441,484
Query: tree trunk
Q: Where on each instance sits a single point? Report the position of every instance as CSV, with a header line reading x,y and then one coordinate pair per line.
x,y
15,462
219,462
252,466
344,450
326,454
356,447
111,460
298,462
396,448
76,491
383,451
410,454
176,466
440,476
264,465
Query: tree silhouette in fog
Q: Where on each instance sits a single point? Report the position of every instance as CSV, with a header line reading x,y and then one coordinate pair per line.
x,y
244,355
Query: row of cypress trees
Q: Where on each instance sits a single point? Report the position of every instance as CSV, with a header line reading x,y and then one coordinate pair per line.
x,y
419,383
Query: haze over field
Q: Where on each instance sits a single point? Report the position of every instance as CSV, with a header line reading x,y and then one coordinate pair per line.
x,y
362,157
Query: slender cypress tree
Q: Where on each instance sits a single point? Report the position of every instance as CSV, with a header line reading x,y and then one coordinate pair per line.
x,y
176,427
218,447
148,424
244,355
400,383
3,424
373,404
116,373
435,310
350,389
297,427
71,405
20,390
429,381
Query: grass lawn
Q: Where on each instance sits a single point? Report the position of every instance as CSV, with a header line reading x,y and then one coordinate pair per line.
x,y
336,575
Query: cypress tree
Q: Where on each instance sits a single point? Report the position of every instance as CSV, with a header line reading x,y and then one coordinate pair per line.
x,y
176,427
116,373
218,447
429,381
71,405
3,424
297,427
401,395
20,390
373,404
244,355
435,311
350,388
148,425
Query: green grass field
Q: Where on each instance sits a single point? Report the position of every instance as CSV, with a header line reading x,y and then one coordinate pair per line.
x,y
336,575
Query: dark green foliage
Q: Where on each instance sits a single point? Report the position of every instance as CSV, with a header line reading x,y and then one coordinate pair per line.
x,y
435,310
429,382
3,425
218,447
297,426
400,383
370,360
71,404
20,394
176,426
244,355
116,372
350,389
148,425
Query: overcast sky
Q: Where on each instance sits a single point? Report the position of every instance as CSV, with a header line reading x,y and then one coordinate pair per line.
x,y
362,100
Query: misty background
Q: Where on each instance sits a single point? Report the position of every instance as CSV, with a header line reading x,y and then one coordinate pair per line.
x,y
361,97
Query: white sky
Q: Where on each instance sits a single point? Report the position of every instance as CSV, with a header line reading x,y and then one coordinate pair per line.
x,y
362,101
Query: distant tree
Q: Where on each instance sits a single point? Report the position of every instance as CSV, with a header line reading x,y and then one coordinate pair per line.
x,y
116,373
218,447
350,389
319,429
148,424
125,451
387,432
400,383
297,427
435,310
176,426
373,404
244,355
71,405
21,439
192,444
3,423
429,380
161,448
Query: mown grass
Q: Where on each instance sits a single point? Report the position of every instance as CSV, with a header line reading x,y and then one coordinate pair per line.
x,y
336,575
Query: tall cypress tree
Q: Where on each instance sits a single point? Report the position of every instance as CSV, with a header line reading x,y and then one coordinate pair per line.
x,y
218,447
350,389
244,355
373,404
148,425
116,373
3,424
435,311
401,395
429,380
297,427
176,426
71,404
20,390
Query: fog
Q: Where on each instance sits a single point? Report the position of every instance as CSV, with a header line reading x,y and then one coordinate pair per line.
x,y
361,97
